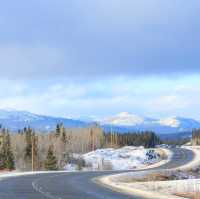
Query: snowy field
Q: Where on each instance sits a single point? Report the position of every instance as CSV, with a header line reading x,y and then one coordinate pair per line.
x,y
121,159
125,158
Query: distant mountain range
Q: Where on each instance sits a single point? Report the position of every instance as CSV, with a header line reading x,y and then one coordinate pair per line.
x,y
15,120
122,122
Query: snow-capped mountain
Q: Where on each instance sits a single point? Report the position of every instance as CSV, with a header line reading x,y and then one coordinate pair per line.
x,y
15,120
124,119
122,122
125,122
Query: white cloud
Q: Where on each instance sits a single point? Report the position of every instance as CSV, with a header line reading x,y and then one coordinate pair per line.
x,y
168,103
102,98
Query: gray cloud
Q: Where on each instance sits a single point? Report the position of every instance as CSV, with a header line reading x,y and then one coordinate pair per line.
x,y
98,38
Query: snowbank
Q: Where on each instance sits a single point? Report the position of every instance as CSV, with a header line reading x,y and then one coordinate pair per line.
x,y
70,167
125,158
151,190
157,189
170,187
19,173
196,160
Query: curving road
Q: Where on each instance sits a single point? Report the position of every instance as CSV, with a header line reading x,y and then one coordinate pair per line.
x,y
72,185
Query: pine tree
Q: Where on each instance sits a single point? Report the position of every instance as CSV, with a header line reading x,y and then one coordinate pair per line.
x,y
51,161
58,130
28,133
31,148
1,161
6,153
63,136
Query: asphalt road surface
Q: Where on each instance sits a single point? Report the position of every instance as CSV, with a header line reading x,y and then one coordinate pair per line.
x,y
72,185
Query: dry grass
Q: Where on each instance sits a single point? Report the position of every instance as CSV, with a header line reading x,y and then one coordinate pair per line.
x,y
192,195
150,177
158,177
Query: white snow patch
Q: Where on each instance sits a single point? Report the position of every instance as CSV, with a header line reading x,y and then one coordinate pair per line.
x,y
12,174
70,167
161,189
124,118
172,122
125,158
195,161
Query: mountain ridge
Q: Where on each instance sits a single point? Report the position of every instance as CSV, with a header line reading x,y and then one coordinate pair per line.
x,y
15,120
167,125
121,122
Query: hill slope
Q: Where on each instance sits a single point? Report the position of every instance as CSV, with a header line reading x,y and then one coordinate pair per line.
x,y
15,120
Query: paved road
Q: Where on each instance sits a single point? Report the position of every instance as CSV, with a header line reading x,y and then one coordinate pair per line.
x,y
72,185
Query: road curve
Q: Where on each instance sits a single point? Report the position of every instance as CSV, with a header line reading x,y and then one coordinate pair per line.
x,y
76,185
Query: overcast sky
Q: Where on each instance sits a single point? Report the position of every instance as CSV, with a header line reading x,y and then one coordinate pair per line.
x,y
97,58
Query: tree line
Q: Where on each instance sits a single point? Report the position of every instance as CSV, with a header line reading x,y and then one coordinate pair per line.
x,y
148,139
7,159
6,154
31,150
195,137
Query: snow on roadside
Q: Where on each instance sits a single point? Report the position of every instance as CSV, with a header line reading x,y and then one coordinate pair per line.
x,y
12,174
171,187
124,158
196,160
70,167
158,189
151,190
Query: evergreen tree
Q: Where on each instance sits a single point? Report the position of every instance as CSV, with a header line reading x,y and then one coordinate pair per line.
x,y
58,130
63,136
147,139
28,133
1,161
31,148
7,158
57,133
51,161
